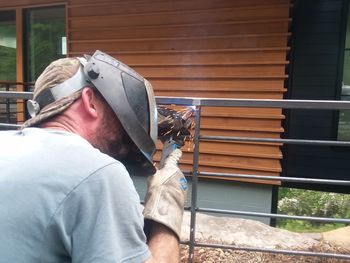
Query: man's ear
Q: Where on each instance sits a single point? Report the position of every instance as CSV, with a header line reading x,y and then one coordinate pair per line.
x,y
90,103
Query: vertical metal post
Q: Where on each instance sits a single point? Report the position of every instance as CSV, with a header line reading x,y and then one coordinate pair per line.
x,y
194,184
8,113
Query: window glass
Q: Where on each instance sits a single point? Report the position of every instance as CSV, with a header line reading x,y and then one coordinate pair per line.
x,y
45,38
7,46
7,63
344,115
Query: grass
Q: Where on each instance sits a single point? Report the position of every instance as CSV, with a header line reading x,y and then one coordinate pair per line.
x,y
306,227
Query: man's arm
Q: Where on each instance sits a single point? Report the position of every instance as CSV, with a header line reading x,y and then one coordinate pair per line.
x,y
163,244
164,203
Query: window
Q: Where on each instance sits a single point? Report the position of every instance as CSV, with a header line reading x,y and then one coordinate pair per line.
x,y
8,46
7,63
45,39
344,115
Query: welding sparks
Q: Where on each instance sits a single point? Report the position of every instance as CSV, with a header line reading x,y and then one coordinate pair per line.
x,y
176,123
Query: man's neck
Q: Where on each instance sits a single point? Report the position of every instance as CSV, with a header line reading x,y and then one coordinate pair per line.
x,y
63,124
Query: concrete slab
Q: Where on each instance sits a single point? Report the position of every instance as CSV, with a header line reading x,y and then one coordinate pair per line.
x,y
244,232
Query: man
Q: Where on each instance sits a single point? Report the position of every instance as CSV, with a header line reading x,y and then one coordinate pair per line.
x,y
63,198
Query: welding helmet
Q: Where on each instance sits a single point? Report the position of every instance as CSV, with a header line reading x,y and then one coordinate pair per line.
x,y
129,95
132,100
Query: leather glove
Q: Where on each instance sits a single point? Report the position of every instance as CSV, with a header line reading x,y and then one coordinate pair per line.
x,y
167,192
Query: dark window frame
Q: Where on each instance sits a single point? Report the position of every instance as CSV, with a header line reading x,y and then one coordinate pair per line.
x,y
340,69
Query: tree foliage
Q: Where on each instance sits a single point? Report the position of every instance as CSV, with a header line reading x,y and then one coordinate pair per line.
x,y
312,203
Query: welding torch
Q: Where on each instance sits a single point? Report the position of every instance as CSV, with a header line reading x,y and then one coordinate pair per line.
x,y
173,129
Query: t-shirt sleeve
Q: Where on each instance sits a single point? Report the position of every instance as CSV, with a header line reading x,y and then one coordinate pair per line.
x,y
101,220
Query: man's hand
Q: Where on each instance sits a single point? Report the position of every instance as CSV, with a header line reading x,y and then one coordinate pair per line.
x,y
164,203
166,194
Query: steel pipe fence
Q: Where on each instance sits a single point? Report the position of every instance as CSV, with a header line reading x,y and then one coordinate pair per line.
x,y
259,214
19,95
287,104
209,102
269,140
10,104
256,103
5,103
198,103
9,126
278,178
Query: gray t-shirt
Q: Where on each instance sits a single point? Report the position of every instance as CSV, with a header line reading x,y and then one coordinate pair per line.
x,y
62,200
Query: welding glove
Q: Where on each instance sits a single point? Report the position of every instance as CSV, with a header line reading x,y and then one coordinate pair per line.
x,y
166,194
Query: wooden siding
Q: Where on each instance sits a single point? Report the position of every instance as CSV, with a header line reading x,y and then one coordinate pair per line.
x,y
199,48
224,49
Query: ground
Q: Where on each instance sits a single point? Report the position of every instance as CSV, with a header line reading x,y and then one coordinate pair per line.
x,y
209,255
250,233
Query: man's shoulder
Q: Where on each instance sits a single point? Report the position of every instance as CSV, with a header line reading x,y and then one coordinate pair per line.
x,y
51,154
74,153
66,145
53,164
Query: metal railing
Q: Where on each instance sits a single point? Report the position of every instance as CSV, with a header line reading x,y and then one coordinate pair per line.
x,y
253,103
11,106
198,103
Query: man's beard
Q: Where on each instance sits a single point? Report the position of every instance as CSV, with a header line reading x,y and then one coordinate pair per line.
x,y
112,140
116,148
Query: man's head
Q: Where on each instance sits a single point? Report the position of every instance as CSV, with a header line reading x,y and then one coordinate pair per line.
x,y
113,105
55,74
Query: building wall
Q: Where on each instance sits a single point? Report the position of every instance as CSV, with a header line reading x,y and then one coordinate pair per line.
x,y
318,40
225,195
224,49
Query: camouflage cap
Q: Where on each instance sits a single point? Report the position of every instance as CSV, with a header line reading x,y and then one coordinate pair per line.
x,y
56,73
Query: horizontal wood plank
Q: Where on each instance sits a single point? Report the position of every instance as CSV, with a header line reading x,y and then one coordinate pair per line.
x,y
219,85
158,4
162,31
233,94
241,41
261,150
180,17
211,71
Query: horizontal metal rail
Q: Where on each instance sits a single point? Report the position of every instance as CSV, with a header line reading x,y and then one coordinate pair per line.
x,y
277,178
20,95
274,251
10,126
259,214
14,83
251,103
257,103
271,140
